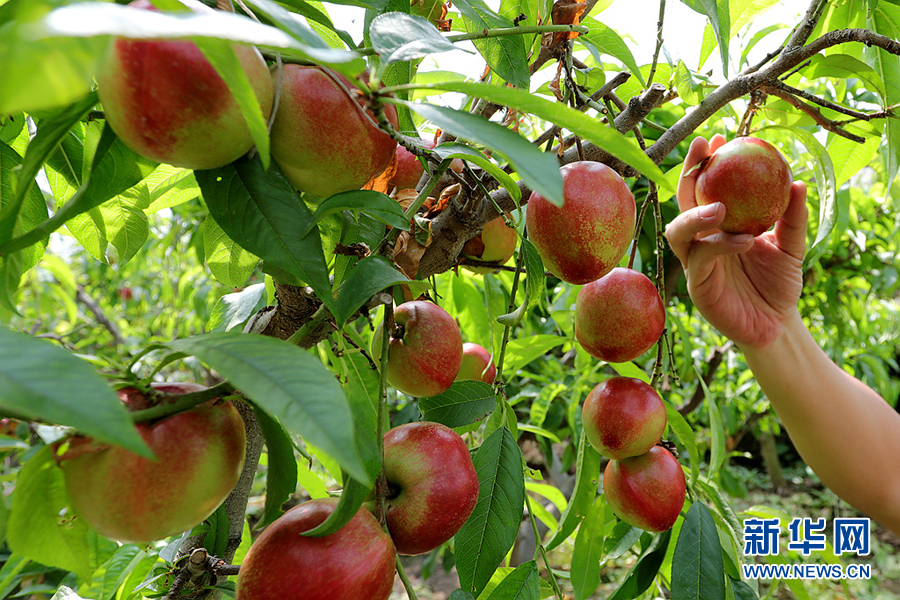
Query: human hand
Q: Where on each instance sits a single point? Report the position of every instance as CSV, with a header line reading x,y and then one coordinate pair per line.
x,y
746,287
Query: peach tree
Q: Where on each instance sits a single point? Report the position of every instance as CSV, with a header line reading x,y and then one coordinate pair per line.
x,y
270,278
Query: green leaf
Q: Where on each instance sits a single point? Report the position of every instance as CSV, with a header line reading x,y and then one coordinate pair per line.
x,y
231,310
587,476
290,385
524,583
42,526
535,283
222,56
606,41
841,67
66,593
363,391
120,221
698,571
461,595
850,157
281,474
505,55
42,382
686,436
353,496
170,186
375,204
398,36
644,572
741,590
370,276
119,567
522,351
621,540
540,171
623,148
491,531
466,402
588,551
227,261
717,451
262,212
94,19
720,20
49,135
885,19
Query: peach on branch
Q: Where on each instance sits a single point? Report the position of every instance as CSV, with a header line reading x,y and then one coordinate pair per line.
x,y
167,103
323,138
623,417
477,364
582,240
646,491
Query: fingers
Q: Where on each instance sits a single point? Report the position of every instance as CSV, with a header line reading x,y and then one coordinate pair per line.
x,y
716,142
790,230
682,232
686,183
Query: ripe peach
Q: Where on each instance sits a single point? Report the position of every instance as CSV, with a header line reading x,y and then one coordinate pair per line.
x,y
646,491
495,244
476,364
588,236
752,179
620,316
623,417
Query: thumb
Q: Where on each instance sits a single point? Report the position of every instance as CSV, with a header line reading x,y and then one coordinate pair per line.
x,y
790,230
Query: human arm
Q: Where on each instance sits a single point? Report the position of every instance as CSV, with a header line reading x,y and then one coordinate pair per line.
x,y
748,288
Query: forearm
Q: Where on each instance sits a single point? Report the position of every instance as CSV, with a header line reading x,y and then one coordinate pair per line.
x,y
843,430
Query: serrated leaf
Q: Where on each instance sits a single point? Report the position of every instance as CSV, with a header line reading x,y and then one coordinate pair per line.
x,y
281,474
606,41
720,20
588,551
491,531
398,36
505,55
375,204
40,381
540,171
587,476
170,186
290,385
261,211
233,309
623,148
466,402
42,526
535,283
524,583
698,571
644,572
227,261
120,221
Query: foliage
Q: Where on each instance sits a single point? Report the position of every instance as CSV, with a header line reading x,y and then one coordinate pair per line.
x,y
117,269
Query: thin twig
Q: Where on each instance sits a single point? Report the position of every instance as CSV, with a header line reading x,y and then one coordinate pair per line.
x,y
659,41
813,112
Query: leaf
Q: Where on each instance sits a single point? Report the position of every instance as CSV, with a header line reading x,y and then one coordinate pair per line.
x,y
224,59
119,567
120,221
741,590
524,583
505,55
363,389
642,575
93,19
290,385
686,436
717,452
623,148
540,171
885,19
606,41
375,204
66,593
42,526
588,551
42,382
227,261
262,212
370,276
491,531
281,474
231,310
466,402
170,186
352,498
521,352
720,20
48,137
398,36
587,476
698,571
535,283
850,157
843,66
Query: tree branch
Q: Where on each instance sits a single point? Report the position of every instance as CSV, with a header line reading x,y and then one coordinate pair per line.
x,y
813,112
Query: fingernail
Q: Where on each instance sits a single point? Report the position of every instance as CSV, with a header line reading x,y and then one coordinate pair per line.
x,y
709,211
742,238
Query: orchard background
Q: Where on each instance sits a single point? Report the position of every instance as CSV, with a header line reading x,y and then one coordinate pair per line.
x,y
115,269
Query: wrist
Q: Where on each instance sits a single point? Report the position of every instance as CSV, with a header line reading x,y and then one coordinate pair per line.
x,y
792,332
